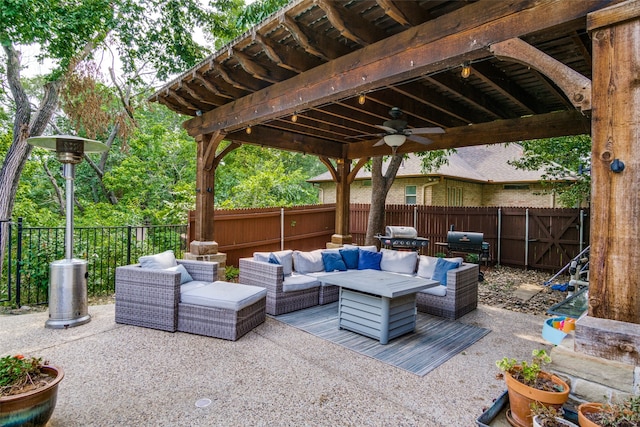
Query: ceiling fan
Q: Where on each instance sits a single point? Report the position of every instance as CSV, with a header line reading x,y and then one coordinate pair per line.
x,y
396,132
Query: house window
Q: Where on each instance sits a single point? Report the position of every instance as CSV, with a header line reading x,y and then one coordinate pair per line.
x,y
410,194
454,196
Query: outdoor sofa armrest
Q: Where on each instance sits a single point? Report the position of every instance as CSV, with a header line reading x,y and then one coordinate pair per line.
x,y
147,297
258,273
271,277
461,297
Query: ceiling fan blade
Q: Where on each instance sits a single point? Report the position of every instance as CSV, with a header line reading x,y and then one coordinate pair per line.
x,y
424,130
379,143
419,139
387,128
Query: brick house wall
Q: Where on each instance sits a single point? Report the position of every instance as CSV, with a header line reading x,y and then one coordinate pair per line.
x,y
433,192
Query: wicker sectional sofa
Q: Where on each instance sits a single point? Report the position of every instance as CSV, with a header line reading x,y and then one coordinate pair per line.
x,y
291,280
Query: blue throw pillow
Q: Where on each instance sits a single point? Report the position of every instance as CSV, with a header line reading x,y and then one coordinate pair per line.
x,y
369,260
333,261
350,257
440,272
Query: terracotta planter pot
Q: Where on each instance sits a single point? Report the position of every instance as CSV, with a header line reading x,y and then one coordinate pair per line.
x,y
521,396
33,408
588,408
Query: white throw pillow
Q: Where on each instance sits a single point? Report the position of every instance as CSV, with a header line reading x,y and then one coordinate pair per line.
x,y
398,261
308,262
184,274
285,259
162,260
426,266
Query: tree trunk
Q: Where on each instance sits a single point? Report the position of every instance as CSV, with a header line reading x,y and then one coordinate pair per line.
x,y
380,186
23,127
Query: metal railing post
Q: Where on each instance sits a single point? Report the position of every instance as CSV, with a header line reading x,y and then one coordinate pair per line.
x,y
128,244
499,234
526,239
18,261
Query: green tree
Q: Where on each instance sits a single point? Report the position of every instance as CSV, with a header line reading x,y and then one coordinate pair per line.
x,y
561,158
260,177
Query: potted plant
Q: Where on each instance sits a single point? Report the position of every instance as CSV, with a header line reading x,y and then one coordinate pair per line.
x,y
623,414
28,390
527,383
548,416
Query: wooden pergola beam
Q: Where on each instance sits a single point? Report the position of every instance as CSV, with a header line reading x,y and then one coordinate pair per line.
x,y
425,49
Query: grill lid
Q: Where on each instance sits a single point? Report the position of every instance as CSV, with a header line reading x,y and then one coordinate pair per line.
x,y
402,232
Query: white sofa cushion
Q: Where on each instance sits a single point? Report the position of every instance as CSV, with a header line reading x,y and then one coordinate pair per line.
x,y
398,261
308,262
162,260
192,285
299,282
439,291
284,258
230,296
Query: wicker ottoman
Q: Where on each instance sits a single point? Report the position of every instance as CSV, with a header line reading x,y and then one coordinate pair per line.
x,y
222,310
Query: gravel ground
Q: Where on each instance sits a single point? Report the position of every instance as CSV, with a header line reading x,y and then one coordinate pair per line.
x,y
500,285
498,289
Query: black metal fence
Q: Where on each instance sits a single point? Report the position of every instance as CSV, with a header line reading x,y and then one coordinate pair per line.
x,y
30,250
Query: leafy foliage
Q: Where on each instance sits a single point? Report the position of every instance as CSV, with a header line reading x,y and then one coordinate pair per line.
x,y
260,177
561,158
17,371
524,371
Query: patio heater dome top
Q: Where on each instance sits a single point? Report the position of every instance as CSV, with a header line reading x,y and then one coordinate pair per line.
x,y
68,148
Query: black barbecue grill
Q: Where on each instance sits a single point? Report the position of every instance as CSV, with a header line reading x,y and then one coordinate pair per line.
x,y
397,237
465,241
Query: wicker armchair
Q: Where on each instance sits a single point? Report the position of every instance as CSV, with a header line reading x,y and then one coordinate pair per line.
x,y
461,297
149,297
271,277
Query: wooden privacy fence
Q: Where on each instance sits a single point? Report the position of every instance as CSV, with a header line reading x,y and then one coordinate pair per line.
x,y
540,238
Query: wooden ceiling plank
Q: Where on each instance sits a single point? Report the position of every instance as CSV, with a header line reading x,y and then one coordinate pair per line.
x,y
350,25
474,97
216,101
500,82
428,48
393,11
210,86
301,37
260,70
286,56
182,101
234,81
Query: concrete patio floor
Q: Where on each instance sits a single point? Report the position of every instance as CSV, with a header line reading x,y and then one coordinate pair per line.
x,y
119,375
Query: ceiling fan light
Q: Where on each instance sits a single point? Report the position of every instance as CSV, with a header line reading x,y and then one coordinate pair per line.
x,y
395,140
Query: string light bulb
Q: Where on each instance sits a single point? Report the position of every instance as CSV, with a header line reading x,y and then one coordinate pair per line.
x,y
361,99
466,70
248,130
294,117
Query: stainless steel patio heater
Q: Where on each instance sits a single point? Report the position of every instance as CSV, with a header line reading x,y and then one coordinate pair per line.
x,y
68,277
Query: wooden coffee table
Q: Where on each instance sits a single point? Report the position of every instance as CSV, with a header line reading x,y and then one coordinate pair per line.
x,y
377,304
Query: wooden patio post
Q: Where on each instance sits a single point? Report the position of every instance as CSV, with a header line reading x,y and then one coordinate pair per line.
x,y
343,196
204,242
612,330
